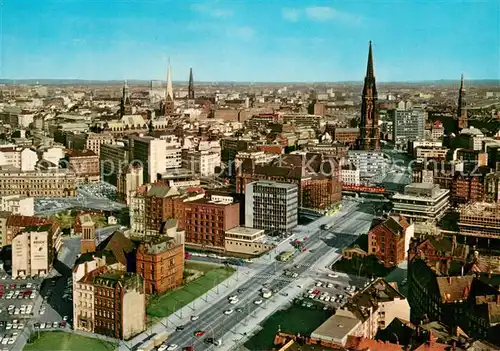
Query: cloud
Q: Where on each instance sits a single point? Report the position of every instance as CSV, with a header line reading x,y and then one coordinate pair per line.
x,y
211,10
291,15
242,32
326,13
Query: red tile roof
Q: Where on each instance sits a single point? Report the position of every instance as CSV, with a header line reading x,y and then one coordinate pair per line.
x,y
27,221
361,344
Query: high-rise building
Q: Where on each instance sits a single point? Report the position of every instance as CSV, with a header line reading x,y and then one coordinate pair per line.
x,y
191,85
369,138
169,94
151,154
409,124
272,206
462,107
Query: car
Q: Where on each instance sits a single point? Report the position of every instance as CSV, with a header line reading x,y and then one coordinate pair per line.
x,y
54,325
403,283
195,318
36,325
20,326
62,324
11,341
172,347
199,333
233,297
162,347
239,309
65,318
234,301
42,325
258,302
229,311
209,340
180,328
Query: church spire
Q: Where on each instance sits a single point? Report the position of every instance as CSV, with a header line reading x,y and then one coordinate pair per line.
x,y
191,85
170,89
369,67
462,106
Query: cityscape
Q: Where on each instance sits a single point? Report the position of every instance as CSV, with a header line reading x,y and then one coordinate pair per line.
x,y
189,181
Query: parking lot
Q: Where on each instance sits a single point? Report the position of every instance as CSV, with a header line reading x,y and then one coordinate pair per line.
x,y
332,291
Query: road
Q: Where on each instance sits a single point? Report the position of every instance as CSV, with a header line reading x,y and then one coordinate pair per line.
x,y
347,225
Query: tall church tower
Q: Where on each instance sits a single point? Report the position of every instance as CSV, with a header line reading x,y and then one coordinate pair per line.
x,y
169,94
88,243
191,85
369,134
126,105
462,107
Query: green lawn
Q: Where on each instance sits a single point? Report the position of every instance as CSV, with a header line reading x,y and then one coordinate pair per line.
x,y
294,320
62,341
200,266
164,305
365,267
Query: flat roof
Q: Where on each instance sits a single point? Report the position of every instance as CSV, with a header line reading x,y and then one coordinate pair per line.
x,y
336,327
244,231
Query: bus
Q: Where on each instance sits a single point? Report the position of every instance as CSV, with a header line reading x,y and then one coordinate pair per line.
x,y
285,256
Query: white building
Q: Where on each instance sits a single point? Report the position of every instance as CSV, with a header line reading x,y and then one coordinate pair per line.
x,y
29,159
350,176
203,163
20,205
369,163
53,155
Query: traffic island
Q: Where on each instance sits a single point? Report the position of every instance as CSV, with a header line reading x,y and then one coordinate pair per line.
x,y
62,341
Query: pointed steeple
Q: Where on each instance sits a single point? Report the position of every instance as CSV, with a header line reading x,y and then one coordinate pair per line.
x,y
191,85
369,66
462,106
170,89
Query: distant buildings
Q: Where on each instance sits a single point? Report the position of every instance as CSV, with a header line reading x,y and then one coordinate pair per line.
x,y
271,206
51,183
85,164
20,205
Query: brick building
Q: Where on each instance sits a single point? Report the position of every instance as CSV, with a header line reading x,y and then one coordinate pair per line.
x,y
389,240
160,261
119,304
207,220
85,164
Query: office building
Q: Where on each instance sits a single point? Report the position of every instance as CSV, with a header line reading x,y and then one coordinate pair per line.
x,y
51,183
85,164
409,124
422,202
271,206
204,163
113,158
150,153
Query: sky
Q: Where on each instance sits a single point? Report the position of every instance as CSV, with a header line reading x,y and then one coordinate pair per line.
x,y
249,40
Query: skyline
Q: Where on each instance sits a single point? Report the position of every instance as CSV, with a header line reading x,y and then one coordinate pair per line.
x,y
230,41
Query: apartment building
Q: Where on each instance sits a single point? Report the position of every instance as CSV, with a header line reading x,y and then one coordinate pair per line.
x,y
271,206
20,205
129,179
17,223
409,124
173,151
85,164
151,154
369,163
422,202
52,183
480,220
347,136
33,250
206,222
389,240
119,304
350,175
423,153
160,261
374,307
21,158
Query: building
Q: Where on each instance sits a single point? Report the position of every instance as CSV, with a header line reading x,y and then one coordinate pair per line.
x,y
151,154
113,158
52,183
169,105
119,304
158,206
409,124
129,179
317,177
369,133
125,103
87,226
4,217
371,309
480,220
20,205
191,95
206,222
389,240
468,188
346,136
204,163
492,187
350,175
34,249
422,202
247,241
423,153
369,163
160,261
85,165
93,141
173,152
271,206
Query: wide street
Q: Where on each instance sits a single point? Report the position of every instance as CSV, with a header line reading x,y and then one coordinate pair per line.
x,y
351,221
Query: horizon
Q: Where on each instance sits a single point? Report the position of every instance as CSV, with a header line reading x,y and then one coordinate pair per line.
x,y
311,42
